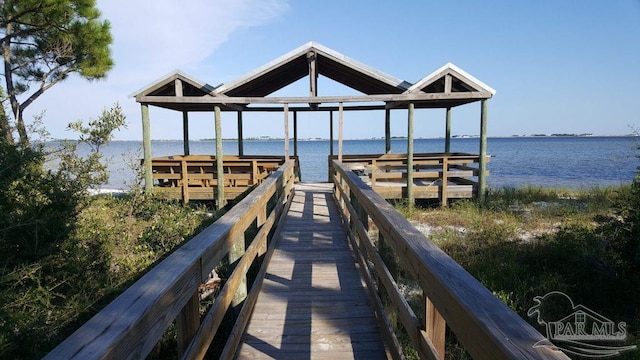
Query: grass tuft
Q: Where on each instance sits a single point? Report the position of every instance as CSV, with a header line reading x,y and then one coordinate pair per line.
x,y
526,242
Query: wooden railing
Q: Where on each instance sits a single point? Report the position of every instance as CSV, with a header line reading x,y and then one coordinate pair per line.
x,y
194,177
485,327
440,176
133,323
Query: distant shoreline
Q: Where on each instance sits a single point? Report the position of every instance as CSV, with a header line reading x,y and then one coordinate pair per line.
x,y
455,137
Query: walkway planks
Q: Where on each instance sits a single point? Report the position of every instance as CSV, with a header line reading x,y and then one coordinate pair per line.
x,y
313,304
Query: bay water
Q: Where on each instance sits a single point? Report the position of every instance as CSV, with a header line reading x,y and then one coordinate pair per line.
x,y
560,162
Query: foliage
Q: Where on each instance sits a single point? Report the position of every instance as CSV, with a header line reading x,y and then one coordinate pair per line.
x,y
39,206
523,243
43,42
39,210
115,240
91,170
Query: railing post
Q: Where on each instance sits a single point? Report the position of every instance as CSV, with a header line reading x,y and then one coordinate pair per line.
x,y
445,178
434,326
374,166
185,180
188,322
235,254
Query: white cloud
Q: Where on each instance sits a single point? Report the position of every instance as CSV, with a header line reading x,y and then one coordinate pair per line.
x,y
151,38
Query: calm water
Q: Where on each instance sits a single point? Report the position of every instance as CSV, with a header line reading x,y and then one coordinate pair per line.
x,y
570,162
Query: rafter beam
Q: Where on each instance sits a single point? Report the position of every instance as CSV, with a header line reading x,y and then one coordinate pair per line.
x,y
319,99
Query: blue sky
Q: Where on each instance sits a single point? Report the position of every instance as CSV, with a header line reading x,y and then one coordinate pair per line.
x,y
557,66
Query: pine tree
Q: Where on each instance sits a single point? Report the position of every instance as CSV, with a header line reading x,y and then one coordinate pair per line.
x,y
42,43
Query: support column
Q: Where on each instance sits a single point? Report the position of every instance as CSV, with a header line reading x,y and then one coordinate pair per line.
x,y
146,144
447,136
219,159
387,130
410,154
331,133
330,164
286,132
185,131
295,133
482,179
340,126
240,141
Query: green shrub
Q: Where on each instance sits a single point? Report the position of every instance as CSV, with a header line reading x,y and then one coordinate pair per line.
x,y
114,241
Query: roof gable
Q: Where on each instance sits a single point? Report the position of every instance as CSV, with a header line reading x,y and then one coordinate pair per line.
x,y
166,86
296,64
461,81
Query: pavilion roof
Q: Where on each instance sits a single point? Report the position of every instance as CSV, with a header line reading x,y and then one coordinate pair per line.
x,y
448,86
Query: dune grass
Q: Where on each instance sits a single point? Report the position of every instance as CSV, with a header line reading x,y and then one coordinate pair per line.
x,y
526,242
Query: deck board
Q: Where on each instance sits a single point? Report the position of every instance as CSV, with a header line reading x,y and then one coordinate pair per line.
x,y
313,304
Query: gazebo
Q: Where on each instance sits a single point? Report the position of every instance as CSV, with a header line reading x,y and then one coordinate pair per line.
x,y
441,175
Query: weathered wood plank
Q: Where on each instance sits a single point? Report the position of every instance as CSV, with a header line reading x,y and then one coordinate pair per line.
x,y
131,325
485,326
312,298
245,313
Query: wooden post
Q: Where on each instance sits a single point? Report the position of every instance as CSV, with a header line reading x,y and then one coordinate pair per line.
x,y
444,194
313,74
435,327
295,133
240,141
410,154
235,254
329,166
448,82
185,117
331,133
447,136
185,131
146,143
188,322
340,125
219,159
482,180
387,131
286,132
184,180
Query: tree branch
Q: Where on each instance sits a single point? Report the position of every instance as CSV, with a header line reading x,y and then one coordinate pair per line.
x,y
44,87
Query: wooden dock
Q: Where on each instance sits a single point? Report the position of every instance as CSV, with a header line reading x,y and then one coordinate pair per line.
x,y
310,297
313,304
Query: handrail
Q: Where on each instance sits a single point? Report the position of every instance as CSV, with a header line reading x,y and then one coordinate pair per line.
x,y
441,176
194,177
131,325
486,327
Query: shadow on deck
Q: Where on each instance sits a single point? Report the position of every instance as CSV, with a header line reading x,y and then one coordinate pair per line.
x,y
313,302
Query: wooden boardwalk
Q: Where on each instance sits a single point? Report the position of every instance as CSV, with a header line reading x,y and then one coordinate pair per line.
x,y
313,304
